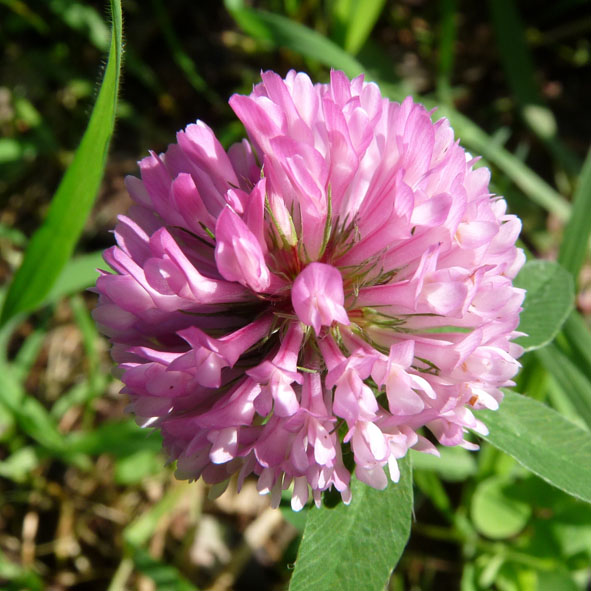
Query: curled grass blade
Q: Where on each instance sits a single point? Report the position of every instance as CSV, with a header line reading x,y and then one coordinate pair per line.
x,y
53,243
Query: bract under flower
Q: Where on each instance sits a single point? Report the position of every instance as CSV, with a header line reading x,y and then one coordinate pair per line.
x,y
335,287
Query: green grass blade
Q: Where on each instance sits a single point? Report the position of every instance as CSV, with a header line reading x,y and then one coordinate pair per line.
x,y
579,338
519,69
282,32
180,56
446,49
570,378
575,244
53,243
524,177
357,18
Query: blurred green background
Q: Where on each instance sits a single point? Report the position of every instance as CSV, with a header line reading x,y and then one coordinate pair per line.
x,y
85,502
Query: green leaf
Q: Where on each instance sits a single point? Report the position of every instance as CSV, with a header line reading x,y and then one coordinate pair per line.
x,y
356,547
494,513
548,302
282,32
575,244
53,243
543,441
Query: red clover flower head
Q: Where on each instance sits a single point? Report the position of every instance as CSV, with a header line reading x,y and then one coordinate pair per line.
x,y
310,301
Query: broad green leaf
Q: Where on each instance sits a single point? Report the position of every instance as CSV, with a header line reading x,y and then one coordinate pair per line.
x,y
575,384
548,302
356,547
494,513
575,243
53,243
282,32
543,441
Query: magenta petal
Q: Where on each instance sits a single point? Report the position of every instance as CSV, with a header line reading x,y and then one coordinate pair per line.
x,y
238,254
318,297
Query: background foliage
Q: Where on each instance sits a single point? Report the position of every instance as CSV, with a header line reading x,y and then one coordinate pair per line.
x,y
84,500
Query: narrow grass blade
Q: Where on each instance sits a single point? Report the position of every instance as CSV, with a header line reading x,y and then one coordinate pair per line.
x,y
357,18
53,243
543,441
447,40
575,244
355,548
519,69
579,338
282,32
573,382
534,187
181,57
